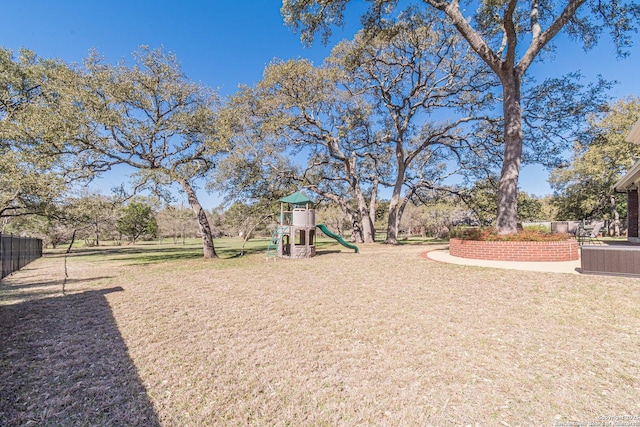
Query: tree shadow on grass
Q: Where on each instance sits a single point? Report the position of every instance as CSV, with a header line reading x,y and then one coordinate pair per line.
x,y
135,255
40,289
153,258
234,252
54,283
150,254
126,250
64,362
425,242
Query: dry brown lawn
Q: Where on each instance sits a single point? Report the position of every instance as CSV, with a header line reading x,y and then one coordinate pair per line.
x,y
383,337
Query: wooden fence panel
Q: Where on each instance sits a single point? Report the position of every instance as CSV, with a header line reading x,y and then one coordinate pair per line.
x,y
16,252
610,259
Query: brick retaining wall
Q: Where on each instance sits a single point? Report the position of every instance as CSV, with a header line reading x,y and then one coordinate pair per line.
x,y
565,250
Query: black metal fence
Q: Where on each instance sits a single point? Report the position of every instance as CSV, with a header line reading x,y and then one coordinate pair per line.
x,y
16,252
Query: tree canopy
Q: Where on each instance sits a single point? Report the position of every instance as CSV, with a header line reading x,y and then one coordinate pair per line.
x,y
365,118
583,187
76,122
38,160
508,36
137,220
425,88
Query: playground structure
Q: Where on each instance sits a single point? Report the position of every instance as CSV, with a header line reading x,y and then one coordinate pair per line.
x,y
295,236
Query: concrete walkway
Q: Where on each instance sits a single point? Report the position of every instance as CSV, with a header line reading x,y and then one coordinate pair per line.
x,y
572,267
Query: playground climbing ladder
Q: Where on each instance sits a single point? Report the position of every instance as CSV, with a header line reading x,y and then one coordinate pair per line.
x,y
274,243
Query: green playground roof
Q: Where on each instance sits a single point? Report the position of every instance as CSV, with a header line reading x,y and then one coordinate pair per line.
x,y
296,198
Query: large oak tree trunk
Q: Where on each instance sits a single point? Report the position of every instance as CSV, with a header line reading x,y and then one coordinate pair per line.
x,y
364,228
368,231
372,207
508,187
394,207
203,221
392,223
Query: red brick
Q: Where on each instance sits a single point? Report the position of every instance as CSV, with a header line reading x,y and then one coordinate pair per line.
x,y
515,251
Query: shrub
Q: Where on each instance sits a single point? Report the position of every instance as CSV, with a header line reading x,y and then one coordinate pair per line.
x,y
532,234
540,228
465,233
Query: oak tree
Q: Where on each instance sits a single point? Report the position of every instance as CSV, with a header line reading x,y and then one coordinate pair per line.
x,y
508,35
426,88
583,187
367,118
301,111
151,117
37,161
137,220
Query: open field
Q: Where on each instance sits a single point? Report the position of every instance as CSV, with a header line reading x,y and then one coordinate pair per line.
x,y
154,335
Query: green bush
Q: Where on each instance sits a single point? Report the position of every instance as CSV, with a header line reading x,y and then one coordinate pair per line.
x,y
465,233
539,228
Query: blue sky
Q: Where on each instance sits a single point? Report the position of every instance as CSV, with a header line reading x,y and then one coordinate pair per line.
x,y
220,43
224,43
